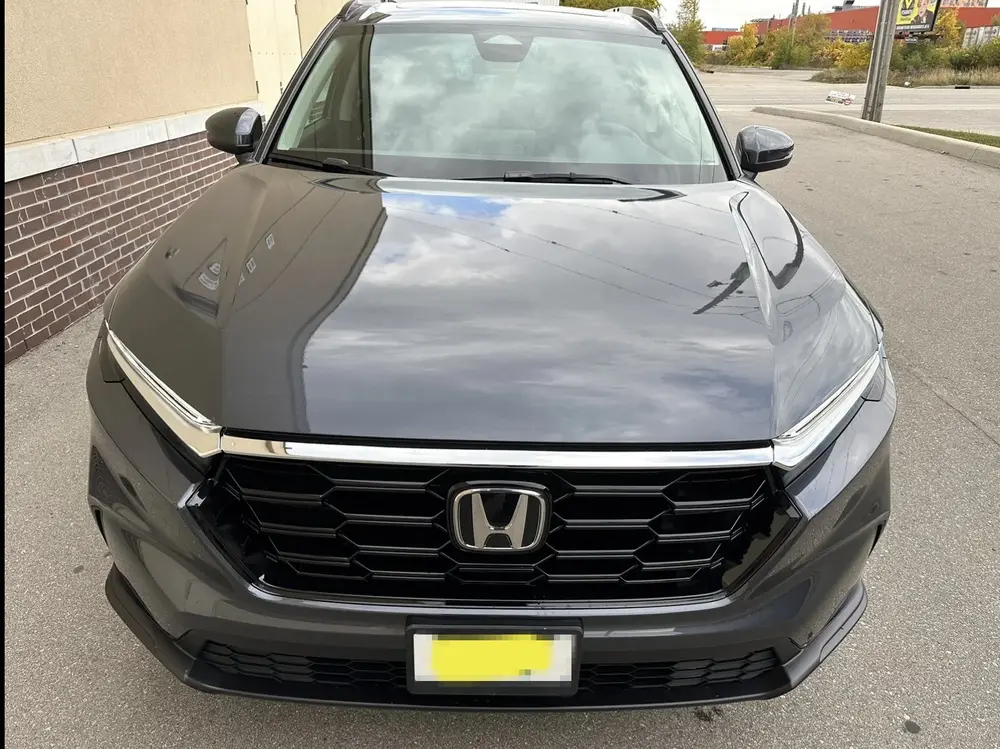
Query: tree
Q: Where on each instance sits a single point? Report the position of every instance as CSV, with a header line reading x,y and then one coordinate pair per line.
x,y
688,30
996,20
741,49
835,50
780,50
949,29
811,30
652,5
857,57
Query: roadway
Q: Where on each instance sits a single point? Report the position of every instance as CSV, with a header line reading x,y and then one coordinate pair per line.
x,y
916,230
737,91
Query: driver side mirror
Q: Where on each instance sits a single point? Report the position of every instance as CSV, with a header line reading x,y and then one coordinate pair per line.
x,y
236,130
763,149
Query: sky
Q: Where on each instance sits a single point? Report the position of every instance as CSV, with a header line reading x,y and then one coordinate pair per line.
x,y
734,13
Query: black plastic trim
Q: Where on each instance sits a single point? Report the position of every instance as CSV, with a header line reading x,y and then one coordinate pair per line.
x,y
185,667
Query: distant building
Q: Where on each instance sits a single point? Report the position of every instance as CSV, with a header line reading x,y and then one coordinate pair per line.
x,y
853,22
857,24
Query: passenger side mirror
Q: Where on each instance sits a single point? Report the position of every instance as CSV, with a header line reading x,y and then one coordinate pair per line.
x,y
236,130
763,149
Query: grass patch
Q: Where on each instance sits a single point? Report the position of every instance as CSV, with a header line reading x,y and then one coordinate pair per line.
x,y
981,138
935,77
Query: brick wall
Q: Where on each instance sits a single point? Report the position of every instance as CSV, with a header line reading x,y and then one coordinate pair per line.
x,y
70,234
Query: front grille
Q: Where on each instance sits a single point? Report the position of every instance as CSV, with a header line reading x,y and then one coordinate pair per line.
x,y
381,531
385,681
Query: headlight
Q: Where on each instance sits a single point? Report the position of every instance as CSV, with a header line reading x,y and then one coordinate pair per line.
x,y
196,431
805,438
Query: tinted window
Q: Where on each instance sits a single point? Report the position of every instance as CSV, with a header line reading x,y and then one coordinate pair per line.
x,y
461,102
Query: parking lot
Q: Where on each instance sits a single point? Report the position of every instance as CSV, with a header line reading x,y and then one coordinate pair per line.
x,y
977,109
916,230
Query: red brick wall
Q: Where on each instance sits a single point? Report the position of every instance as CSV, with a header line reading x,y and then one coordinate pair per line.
x,y
71,233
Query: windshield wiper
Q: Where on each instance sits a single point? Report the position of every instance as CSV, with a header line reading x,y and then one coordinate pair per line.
x,y
555,177
326,165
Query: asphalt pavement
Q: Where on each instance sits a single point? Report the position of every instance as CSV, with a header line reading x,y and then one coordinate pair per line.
x,y
976,109
918,232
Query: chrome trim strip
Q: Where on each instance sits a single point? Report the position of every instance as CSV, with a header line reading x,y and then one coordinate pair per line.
x,y
799,442
498,458
196,431
205,438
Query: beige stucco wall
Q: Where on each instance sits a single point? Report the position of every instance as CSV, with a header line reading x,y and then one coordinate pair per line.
x,y
314,15
73,65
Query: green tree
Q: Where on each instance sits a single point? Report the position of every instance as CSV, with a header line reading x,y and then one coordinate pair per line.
x,y
688,30
949,29
811,30
741,50
781,50
652,5
766,51
996,20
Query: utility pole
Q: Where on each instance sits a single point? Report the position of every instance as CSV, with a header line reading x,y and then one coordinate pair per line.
x,y
878,70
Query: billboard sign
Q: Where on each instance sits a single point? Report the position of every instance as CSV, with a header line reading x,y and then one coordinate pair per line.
x,y
916,16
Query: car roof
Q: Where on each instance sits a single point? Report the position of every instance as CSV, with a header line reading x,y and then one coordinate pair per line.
x,y
492,11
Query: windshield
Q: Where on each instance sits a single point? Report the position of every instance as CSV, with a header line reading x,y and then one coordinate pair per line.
x,y
466,102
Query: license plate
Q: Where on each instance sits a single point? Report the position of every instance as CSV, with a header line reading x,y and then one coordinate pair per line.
x,y
493,662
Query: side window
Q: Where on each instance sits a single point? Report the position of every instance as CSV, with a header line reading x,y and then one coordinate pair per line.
x,y
319,106
310,117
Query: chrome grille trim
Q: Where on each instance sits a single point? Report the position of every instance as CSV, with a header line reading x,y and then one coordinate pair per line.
x,y
498,457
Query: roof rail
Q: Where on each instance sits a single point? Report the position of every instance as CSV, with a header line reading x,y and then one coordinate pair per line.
x,y
353,7
647,18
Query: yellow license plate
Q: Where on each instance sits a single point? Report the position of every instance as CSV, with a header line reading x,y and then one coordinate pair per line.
x,y
493,658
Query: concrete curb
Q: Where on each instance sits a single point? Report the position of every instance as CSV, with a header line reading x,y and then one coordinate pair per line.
x,y
973,152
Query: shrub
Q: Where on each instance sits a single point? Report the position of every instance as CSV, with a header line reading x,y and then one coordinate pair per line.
x,y
923,55
835,50
990,53
858,57
968,58
716,58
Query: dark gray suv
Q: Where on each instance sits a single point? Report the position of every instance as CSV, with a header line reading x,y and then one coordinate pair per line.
x,y
489,378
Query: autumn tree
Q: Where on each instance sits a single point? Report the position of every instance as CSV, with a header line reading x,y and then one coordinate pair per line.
x,y
688,30
741,50
856,57
652,5
811,30
949,29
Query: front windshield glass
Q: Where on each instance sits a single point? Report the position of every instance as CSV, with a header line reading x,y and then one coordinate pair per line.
x,y
467,101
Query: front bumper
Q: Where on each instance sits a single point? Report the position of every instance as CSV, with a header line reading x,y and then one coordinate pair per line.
x,y
218,632
181,658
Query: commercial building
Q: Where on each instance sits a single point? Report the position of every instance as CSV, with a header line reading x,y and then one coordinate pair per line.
x,y
852,21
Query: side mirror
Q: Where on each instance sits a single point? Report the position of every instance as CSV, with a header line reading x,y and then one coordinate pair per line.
x,y
236,130
763,149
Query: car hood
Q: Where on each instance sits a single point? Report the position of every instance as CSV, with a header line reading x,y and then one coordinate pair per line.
x,y
298,302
